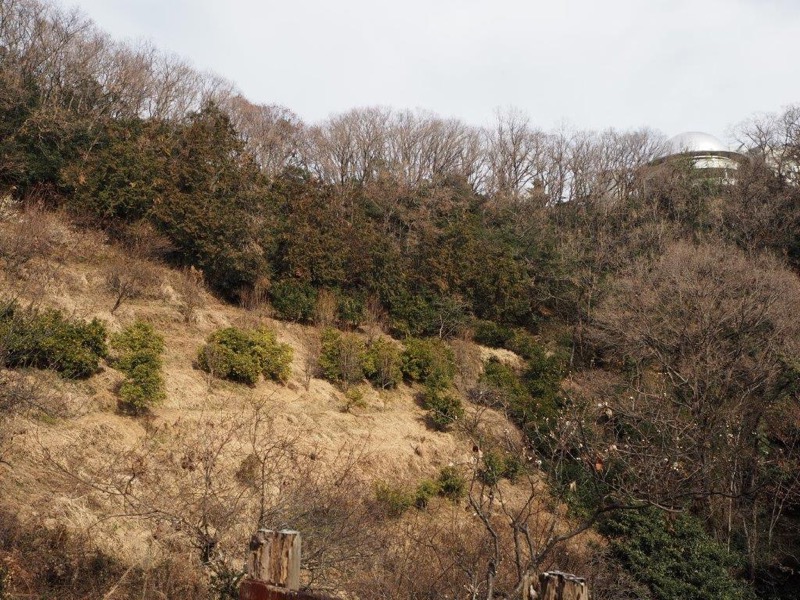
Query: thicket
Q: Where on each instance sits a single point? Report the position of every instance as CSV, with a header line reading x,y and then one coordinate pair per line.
x,y
137,353
243,355
49,340
428,361
674,556
346,358
397,499
532,397
342,357
382,363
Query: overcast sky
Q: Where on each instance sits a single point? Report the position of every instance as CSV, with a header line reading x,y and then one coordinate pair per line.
x,y
674,65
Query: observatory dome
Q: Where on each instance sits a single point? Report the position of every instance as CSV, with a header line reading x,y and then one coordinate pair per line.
x,y
704,150
690,142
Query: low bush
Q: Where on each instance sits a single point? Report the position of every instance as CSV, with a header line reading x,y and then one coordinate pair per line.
x,y
533,398
138,350
491,334
49,340
341,357
395,500
676,559
429,361
497,466
452,484
426,490
294,300
523,343
354,398
516,339
382,364
350,310
504,386
242,355
444,408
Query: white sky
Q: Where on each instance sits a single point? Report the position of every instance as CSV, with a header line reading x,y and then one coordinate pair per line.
x,y
674,65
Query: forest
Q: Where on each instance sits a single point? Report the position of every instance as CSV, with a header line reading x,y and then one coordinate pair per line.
x,y
652,309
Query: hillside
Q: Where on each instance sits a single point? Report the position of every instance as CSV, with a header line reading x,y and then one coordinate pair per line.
x,y
67,445
451,355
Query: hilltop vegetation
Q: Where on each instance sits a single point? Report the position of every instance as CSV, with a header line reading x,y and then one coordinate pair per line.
x,y
294,313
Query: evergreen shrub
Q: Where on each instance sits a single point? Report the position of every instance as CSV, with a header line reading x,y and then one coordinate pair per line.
x,y
430,361
242,355
49,340
138,351
294,300
382,364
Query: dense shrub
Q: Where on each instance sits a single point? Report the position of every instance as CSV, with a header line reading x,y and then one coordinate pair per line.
x,y
532,399
523,343
444,408
426,489
544,373
430,361
350,309
676,559
293,300
504,386
341,357
244,354
452,484
382,364
497,466
394,499
491,334
138,351
49,340
516,339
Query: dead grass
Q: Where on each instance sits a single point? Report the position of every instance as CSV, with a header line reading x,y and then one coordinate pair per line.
x,y
68,270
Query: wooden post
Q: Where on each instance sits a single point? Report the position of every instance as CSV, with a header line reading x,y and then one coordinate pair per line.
x,y
528,589
555,585
274,558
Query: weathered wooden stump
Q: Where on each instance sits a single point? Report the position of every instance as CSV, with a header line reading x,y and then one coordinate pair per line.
x,y
273,568
555,585
274,558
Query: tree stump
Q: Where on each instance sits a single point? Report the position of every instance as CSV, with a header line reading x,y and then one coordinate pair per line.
x,y
555,585
274,558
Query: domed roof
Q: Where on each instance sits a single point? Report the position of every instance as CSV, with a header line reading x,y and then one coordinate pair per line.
x,y
693,142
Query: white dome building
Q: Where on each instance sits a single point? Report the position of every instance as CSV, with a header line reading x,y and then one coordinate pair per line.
x,y
704,150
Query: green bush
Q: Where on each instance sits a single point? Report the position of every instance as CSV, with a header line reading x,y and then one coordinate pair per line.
x,y
395,500
426,490
676,559
452,484
354,398
492,470
491,334
350,310
293,300
382,364
497,466
532,399
430,361
443,407
48,340
505,386
523,343
243,354
512,467
342,357
138,350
